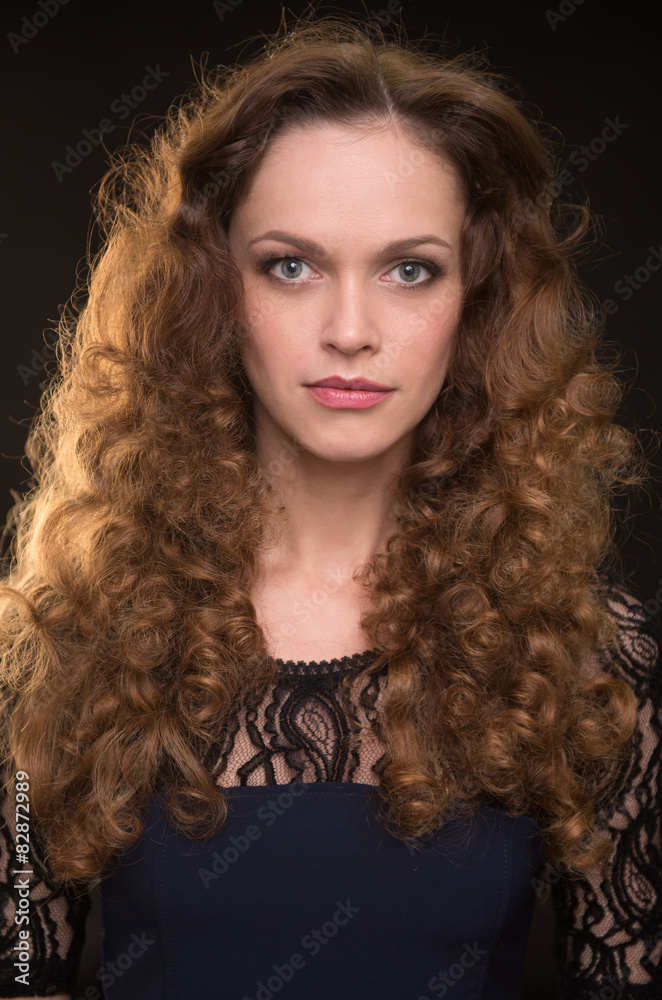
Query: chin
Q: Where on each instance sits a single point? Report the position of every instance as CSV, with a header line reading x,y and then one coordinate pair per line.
x,y
342,451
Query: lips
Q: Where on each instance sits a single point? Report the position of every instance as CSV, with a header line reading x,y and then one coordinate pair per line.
x,y
335,382
336,393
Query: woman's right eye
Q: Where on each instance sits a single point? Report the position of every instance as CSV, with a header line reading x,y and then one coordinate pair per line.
x,y
289,268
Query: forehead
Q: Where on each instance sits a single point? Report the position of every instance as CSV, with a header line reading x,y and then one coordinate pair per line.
x,y
352,176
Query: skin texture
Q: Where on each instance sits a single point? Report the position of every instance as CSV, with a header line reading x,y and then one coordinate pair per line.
x,y
349,310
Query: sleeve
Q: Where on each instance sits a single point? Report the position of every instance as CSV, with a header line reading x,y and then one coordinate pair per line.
x,y
54,930
608,938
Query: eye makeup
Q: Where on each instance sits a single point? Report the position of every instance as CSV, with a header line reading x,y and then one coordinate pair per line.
x,y
265,262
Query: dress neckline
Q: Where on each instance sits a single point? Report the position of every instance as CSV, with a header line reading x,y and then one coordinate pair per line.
x,y
336,665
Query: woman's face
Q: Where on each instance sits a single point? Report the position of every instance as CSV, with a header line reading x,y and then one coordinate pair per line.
x,y
349,247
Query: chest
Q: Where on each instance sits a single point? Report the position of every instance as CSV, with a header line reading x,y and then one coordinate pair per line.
x,y
302,886
310,619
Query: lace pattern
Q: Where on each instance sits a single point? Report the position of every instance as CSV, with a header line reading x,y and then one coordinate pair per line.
x,y
608,939
299,732
609,931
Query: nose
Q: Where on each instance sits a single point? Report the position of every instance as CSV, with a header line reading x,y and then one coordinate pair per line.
x,y
350,321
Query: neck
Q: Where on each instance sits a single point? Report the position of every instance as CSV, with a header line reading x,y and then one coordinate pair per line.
x,y
339,514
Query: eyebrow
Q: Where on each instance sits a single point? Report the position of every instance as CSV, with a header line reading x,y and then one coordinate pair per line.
x,y
387,249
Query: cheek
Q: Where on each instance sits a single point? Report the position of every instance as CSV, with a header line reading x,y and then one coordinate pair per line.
x,y
438,325
430,358
430,334
264,306
260,320
268,355
256,308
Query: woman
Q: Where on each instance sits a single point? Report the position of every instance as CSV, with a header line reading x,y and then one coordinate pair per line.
x,y
315,656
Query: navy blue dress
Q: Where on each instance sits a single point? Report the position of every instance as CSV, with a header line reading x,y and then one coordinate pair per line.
x,y
304,895
302,892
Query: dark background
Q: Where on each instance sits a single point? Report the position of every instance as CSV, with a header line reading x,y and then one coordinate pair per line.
x,y
578,65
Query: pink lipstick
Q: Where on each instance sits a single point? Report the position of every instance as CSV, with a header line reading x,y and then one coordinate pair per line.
x,y
348,394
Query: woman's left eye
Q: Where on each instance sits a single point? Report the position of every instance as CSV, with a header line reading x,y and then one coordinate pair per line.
x,y
408,272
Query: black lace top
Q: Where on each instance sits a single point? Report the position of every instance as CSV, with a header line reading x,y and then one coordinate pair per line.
x,y
608,932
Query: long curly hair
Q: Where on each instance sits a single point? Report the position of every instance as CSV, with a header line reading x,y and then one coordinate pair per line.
x,y
128,635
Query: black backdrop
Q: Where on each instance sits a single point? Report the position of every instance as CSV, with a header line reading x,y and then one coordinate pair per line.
x,y
67,67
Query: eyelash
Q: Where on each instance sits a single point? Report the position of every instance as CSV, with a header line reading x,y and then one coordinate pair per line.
x,y
436,270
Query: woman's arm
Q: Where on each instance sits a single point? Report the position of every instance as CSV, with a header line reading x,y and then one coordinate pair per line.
x,y
57,922
56,919
608,931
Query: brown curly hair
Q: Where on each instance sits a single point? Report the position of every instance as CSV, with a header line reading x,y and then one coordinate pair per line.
x,y
128,635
